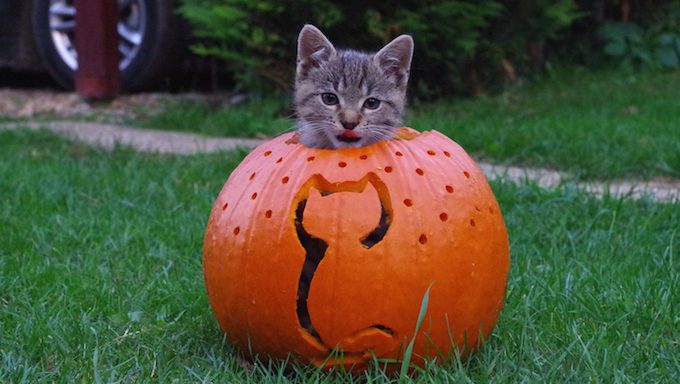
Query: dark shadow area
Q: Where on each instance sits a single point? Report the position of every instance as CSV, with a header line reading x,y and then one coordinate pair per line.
x,y
27,80
316,250
379,232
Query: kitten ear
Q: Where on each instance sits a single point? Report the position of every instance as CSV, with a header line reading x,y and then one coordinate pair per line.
x,y
395,57
313,48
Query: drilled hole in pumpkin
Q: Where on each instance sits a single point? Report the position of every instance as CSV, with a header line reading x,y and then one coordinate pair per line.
x,y
472,222
284,180
388,169
224,207
268,214
491,211
342,164
408,202
443,216
399,154
363,157
267,153
253,196
420,171
279,160
422,239
449,189
310,159
478,209
237,230
447,154
467,174
252,176
431,152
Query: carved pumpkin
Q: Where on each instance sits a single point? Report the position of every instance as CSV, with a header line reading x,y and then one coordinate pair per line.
x,y
310,252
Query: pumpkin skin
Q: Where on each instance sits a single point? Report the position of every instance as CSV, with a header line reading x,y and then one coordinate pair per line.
x,y
293,222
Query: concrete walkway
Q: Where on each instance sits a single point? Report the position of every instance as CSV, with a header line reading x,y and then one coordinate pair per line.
x,y
142,140
155,141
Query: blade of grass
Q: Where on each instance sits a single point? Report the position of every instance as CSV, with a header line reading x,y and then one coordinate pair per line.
x,y
406,362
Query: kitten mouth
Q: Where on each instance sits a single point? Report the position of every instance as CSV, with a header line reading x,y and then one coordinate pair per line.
x,y
346,139
348,136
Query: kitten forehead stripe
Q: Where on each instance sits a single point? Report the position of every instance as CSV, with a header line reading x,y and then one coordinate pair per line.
x,y
306,98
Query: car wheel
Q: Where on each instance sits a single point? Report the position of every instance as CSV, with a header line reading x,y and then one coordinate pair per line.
x,y
149,40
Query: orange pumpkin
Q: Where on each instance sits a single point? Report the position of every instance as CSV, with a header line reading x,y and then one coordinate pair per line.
x,y
310,251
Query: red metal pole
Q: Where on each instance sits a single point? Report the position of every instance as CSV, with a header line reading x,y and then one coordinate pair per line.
x,y
96,38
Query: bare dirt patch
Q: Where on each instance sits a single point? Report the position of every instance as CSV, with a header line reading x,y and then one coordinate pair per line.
x,y
49,103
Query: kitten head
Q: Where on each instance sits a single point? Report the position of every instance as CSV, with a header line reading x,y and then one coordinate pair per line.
x,y
348,98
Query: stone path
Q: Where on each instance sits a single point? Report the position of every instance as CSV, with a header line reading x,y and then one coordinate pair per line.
x,y
155,141
143,140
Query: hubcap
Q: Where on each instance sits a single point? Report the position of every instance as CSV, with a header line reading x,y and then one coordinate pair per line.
x,y
131,28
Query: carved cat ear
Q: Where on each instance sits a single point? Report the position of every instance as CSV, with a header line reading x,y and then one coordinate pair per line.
x,y
395,57
313,48
314,194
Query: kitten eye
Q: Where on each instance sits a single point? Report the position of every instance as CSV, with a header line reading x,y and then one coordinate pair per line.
x,y
329,98
371,103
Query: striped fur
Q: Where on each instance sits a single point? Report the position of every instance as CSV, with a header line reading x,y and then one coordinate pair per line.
x,y
353,77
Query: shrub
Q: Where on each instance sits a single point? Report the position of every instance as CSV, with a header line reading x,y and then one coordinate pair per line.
x,y
655,45
255,39
462,46
447,35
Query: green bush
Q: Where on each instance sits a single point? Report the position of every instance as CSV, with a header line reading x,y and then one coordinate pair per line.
x,y
462,46
655,45
255,39
447,35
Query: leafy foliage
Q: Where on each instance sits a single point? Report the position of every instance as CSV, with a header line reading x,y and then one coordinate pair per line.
x,y
447,35
257,39
462,46
656,45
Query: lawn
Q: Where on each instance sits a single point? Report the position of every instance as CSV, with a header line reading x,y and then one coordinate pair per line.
x,y
100,277
593,124
606,125
261,117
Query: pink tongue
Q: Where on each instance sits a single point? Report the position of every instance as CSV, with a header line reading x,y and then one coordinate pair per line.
x,y
348,133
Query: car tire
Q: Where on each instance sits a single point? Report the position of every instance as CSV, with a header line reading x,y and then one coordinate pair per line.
x,y
155,53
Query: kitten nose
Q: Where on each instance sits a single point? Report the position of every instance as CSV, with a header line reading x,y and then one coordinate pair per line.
x,y
349,124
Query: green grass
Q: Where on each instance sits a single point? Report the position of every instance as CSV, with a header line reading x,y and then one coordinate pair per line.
x,y
255,118
594,124
606,125
100,278
8,119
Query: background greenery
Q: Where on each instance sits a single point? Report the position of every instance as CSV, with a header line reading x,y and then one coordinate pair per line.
x,y
462,46
100,252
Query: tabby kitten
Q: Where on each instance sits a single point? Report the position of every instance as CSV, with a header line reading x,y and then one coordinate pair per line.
x,y
346,98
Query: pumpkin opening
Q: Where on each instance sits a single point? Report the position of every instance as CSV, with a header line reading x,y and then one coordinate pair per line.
x,y
316,247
